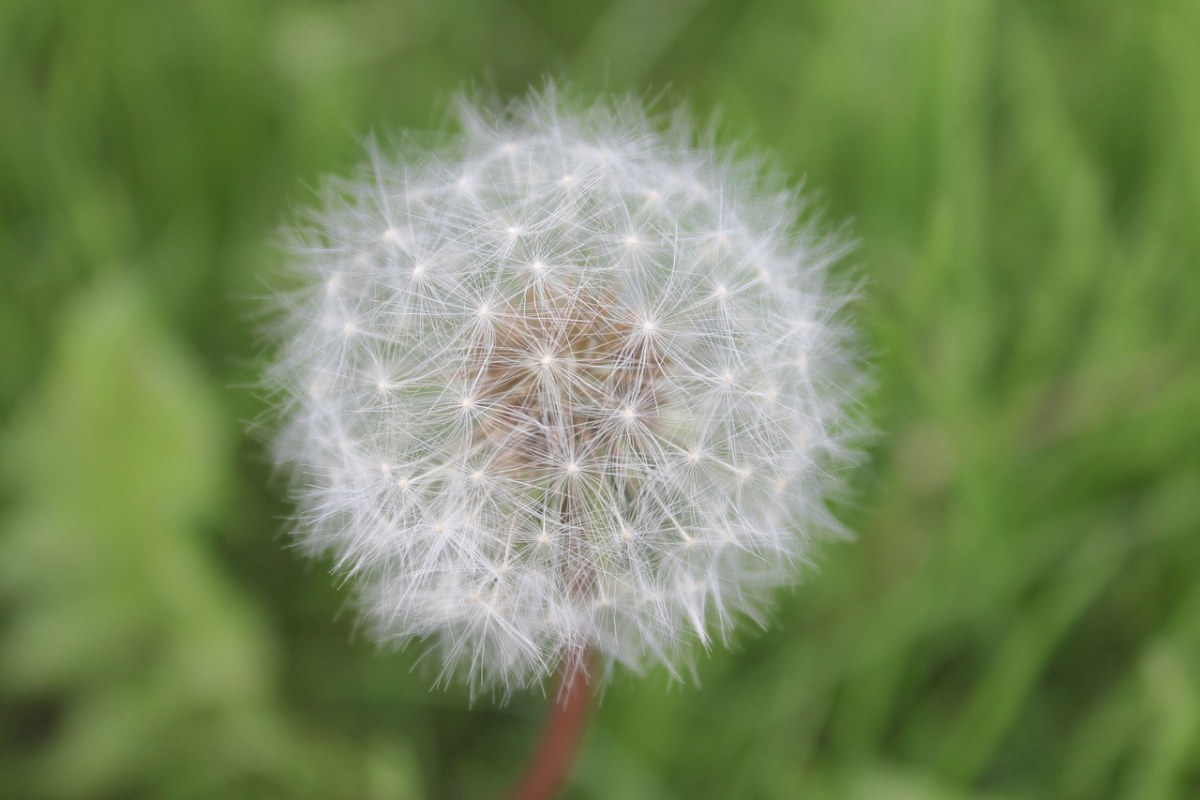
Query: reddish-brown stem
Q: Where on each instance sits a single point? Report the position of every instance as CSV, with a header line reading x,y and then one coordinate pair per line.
x,y
565,723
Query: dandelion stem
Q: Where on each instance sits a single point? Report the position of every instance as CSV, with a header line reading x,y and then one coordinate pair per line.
x,y
565,723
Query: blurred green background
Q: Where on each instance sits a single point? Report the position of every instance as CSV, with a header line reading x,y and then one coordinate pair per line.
x,y
1020,616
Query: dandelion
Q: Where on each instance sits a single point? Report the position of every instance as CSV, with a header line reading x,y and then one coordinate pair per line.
x,y
567,383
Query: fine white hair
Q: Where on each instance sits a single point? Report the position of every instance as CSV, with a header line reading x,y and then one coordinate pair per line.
x,y
568,381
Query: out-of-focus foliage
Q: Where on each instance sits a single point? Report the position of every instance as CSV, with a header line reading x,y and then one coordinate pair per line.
x,y
1020,616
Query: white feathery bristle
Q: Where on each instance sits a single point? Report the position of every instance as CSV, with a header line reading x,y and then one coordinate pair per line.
x,y
567,381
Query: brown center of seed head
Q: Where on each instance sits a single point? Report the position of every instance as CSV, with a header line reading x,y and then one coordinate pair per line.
x,y
564,376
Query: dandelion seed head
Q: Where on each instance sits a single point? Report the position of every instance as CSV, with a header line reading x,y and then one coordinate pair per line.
x,y
625,452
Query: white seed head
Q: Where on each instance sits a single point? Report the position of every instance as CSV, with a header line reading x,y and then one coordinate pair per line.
x,y
573,446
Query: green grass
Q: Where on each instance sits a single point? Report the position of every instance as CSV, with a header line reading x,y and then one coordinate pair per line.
x,y
1020,615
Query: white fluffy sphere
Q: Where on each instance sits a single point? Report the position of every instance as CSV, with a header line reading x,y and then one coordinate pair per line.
x,y
568,381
